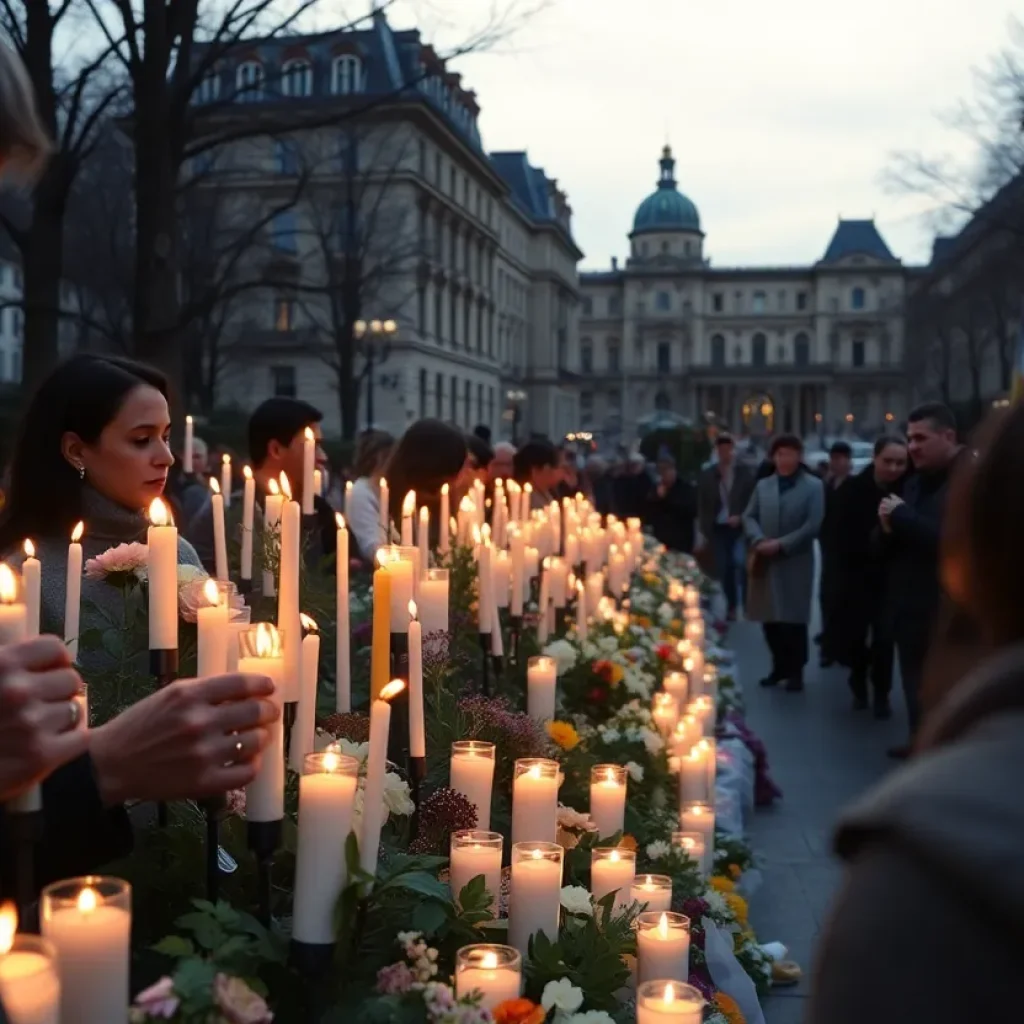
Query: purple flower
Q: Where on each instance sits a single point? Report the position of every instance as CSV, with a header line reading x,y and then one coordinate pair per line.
x,y
766,792
158,1000
396,979
700,979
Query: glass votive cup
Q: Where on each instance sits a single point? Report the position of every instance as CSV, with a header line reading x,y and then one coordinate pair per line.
x,y
263,640
663,1001
694,845
612,869
536,885
535,782
665,712
471,773
652,892
496,972
474,852
677,685
662,946
608,798
29,975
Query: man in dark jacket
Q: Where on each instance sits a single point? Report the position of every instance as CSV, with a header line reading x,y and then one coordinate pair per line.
x,y
671,507
723,490
631,488
912,525
860,576
829,590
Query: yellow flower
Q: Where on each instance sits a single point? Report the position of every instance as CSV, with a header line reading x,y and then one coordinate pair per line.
x,y
564,735
642,621
722,884
728,1008
651,578
735,871
738,905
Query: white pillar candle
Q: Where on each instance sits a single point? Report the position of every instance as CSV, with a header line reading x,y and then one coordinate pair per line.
x,y
692,844
189,455
608,798
225,479
612,870
472,775
304,729
162,538
494,973
703,709
535,800
534,901
288,622
327,798
248,522
417,729
693,776
273,502
261,651
434,601
399,563
212,633
220,537
665,712
29,982
676,683
475,852
89,922
663,1001
343,656
385,515
698,816
652,892
541,677
308,469
443,528
408,511
376,768
662,946
31,586
581,612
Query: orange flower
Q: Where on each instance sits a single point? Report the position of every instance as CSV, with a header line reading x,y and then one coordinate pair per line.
x,y
518,1011
627,842
735,871
722,884
728,1008
738,905
608,672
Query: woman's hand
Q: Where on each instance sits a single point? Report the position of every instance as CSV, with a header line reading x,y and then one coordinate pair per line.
x,y
194,738
39,717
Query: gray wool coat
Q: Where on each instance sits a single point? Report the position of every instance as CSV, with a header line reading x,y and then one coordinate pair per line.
x,y
783,592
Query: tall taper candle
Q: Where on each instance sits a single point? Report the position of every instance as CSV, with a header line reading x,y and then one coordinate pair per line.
x,y
261,651
308,466
73,593
408,511
31,583
248,522
163,579
423,540
380,651
304,728
443,526
273,502
189,456
376,766
13,629
343,657
385,515
288,592
417,730
225,479
212,634
220,539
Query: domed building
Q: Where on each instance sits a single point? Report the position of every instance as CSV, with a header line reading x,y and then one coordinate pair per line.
x,y
815,349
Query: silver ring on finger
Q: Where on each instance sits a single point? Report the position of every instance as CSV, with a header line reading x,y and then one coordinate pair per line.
x,y
75,711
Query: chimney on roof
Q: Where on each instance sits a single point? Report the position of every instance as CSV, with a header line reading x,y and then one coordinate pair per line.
x,y
615,263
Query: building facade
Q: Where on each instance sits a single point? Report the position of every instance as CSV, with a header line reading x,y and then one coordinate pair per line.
x,y
814,349
375,202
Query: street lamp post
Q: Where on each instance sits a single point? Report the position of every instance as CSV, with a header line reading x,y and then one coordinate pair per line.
x,y
375,329
515,398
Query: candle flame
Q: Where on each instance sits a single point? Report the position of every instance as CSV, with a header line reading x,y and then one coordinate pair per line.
x,y
331,759
609,774
226,459
536,854
445,488
393,689
268,641
247,472
615,856
286,487
534,772
412,611
214,486
650,880
687,843
466,505
87,900
8,585
663,926
309,434
670,994
409,504
308,623
272,487
30,548
489,961
211,592
528,488
424,514
339,520
8,926
76,533
188,419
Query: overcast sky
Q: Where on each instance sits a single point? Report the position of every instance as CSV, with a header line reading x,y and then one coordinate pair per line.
x,y
782,115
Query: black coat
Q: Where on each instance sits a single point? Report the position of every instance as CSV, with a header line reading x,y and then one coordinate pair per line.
x,y
630,494
671,517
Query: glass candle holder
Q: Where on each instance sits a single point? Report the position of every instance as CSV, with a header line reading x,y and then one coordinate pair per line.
x,y
496,972
665,712
433,601
668,1002
89,922
535,800
697,774
238,621
29,977
694,845
691,596
541,677
536,886
612,869
662,946
471,773
475,852
653,892
608,784
703,709
677,685
687,733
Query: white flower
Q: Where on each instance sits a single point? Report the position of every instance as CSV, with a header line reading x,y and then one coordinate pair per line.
x,y
397,795
610,735
658,849
561,995
636,771
576,900
564,653
590,1017
360,751
568,817
608,644
653,741
717,906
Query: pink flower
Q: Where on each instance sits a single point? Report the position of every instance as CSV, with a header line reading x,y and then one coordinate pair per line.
x,y
120,560
158,1000
236,802
395,979
238,1002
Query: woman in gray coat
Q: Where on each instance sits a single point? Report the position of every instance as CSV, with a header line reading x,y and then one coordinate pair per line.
x,y
781,522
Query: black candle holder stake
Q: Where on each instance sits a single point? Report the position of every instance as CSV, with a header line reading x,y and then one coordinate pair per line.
x,y
312,960
400,657
26,832
417,776
264,839
516,628
398,734
215,809
561,619
290,713
245,588
485,676
163,667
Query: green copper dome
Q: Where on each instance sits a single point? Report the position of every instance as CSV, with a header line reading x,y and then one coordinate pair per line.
x,y
667,209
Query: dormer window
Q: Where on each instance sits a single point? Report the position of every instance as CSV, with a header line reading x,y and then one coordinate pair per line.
x,y
249,82
208,89
347,75
297,78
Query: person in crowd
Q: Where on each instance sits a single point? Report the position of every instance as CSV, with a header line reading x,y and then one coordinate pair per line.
x,y
427,456
25,145
781,523
860,576
537,463
600,483
672,507
482,431
829,592
912,526
933,851
502,466
723,491
192,487
362,508
632,488
480,455
569,483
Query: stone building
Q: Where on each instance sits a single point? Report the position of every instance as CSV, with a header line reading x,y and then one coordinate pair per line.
x,y
809,349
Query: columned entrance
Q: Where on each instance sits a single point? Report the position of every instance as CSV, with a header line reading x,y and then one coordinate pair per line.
x,y
758,412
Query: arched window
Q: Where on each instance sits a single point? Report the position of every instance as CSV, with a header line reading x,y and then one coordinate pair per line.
x,y
718,350
249,81
208,89
759,354
297,78
346,75
857,298
802,350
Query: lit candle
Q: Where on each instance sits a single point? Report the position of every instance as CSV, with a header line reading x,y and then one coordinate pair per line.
x,y
703,709
162,538
417,730
31,585
212,632
398,561
541,676
273,502
288,621
343,657
693,846
434,601
612,870
676,684
501,574
476,852
13,613
327,798
443,538
261,651
376,766
423,539
694,777
653,892
380,650
517,555
248,521
662,1001
665,712
73,593
687,733
699,816
408,511
595,589
472,775
308,469
220,539
89,922
189,456
608,798
581,612
534,901
492,972
225,479
662,946
305,716
483,603
535,800
385,517
318,482
29,984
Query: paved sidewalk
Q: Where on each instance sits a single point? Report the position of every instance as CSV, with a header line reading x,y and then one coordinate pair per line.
x,y
822,754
